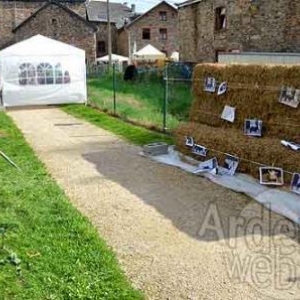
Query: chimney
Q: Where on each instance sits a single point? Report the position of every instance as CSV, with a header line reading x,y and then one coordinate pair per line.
x,y
133,8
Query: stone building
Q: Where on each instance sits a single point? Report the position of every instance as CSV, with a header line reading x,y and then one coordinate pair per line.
x,y
64,20
157,27
97,15
208,27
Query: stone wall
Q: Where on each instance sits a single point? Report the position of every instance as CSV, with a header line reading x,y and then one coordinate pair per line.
x,y
12,13
122,43
263,25
67,28
152,20
102,35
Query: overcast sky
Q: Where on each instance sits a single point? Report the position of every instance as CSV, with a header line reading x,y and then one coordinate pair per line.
x,y
144,5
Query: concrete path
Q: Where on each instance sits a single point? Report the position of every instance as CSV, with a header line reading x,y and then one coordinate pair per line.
x,y
176,236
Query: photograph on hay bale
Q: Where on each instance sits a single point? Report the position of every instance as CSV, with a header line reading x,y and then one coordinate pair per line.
x,y
253,127
271,176
289,96
199,150
210,84
210,166
230,165
189,141
295,185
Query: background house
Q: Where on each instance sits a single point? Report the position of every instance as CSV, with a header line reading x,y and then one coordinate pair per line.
x,y
64,20
208,27
157,27
120,14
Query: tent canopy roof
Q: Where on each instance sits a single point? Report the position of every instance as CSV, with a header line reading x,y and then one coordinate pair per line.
x,y
41,45
149,51
114,57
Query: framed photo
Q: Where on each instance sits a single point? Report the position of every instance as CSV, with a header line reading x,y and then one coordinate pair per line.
x,y
230,165
222,88
199,150
291,145
295,184
253,127
228,114
289,96
271,176
189,141
210,84
208,166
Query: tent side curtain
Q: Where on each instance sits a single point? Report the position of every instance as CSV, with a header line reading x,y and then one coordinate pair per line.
x,y
40,78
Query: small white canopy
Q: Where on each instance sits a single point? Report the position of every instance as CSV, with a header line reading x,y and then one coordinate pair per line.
x,y
114,57
41,71
149,53
175,56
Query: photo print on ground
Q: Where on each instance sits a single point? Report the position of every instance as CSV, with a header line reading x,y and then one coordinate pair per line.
x,y
271,176
253,127
228,113
289,96
295,184
199,150
208,166
222,88
230,165
210,84
189,141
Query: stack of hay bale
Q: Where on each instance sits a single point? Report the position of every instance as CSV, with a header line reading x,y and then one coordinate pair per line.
x,y
254,91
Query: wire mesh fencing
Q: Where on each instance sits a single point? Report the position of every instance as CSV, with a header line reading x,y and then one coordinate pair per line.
x,y
157,98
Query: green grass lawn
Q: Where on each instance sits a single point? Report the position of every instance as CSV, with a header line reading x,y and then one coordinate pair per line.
x,y
142,101
134,134
50,250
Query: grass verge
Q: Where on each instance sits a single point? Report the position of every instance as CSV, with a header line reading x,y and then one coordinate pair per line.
x,y
48,250
135,134
142,101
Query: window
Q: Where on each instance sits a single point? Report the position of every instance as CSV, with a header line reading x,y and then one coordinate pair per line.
x,y
45,74
101,47
163,15
220,18
163,34
54,22
146,34
58,74
26,74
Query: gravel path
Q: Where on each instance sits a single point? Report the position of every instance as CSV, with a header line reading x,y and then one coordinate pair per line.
x,y
151,215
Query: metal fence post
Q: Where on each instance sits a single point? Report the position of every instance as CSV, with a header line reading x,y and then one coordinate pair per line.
x,y
166,95
114,87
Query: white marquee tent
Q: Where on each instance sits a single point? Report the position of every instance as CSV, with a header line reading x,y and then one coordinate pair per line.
x,y
148,53
41,71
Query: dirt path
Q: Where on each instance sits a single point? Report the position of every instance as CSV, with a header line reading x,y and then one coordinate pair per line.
x,y
152,216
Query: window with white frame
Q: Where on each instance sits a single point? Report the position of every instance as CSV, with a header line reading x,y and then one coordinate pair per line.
x,y
45,74
163,34
220,18
27,74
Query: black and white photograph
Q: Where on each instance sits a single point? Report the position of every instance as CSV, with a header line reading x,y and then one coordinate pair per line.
x,y
295,185
189,141
230,165
228,113
271,176
208,166
289,96
199,150
222,88
210,84
253,127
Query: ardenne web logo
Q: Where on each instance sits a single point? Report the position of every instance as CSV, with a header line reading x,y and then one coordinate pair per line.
x,y
261,249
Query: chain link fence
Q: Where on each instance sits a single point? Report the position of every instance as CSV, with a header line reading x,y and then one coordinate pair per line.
x,y
157,98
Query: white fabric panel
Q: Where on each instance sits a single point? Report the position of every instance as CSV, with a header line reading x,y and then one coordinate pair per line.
x,y
36,51
278,200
